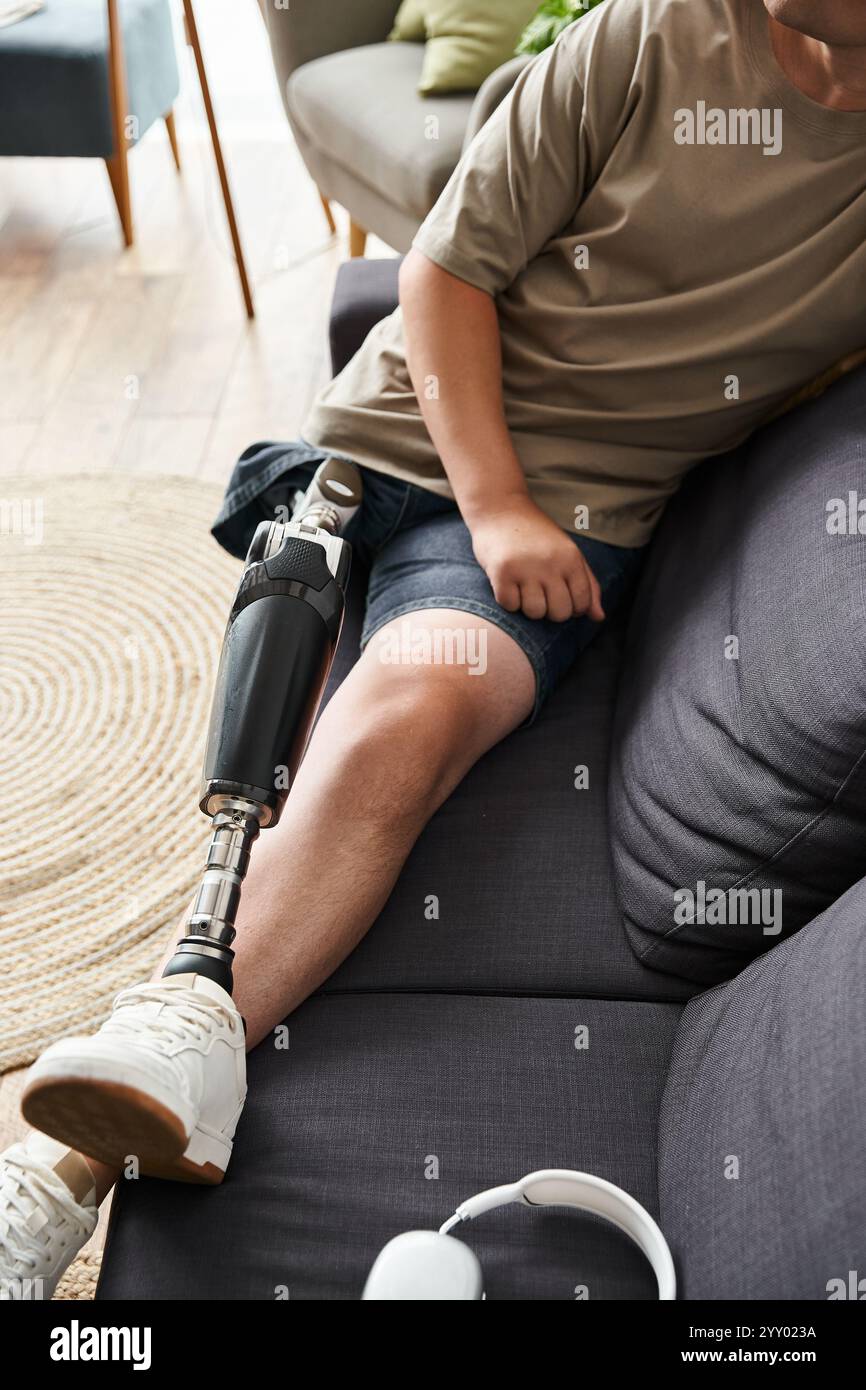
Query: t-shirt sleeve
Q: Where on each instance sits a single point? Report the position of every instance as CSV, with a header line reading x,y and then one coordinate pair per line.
x,y
522,178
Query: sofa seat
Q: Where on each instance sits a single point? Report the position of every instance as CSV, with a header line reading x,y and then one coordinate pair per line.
x,y
381,129
383,1113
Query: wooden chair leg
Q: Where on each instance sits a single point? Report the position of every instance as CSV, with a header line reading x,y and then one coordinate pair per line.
x,y
192,35
329,216
171,128
357,239
118,174
118,170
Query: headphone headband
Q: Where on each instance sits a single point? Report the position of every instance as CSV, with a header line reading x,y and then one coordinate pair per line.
x,y
563,1187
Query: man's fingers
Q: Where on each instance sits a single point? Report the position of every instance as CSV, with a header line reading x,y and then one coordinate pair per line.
x,y
560,603
533,600
557,598
586,593
581,594
595,610
507,594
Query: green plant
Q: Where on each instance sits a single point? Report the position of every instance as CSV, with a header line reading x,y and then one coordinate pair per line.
x,y
549,22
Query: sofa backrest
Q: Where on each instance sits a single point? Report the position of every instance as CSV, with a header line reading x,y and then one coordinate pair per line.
x,y
762,1139
738,780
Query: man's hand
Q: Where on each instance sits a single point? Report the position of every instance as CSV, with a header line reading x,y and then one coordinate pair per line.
x,y
533,565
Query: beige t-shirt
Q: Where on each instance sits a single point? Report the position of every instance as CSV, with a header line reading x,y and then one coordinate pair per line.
x,y
675,237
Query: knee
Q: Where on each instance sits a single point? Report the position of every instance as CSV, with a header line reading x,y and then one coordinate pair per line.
x,y
414,730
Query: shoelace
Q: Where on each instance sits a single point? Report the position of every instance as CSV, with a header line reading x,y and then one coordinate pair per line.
x,y
187,1013
22,1178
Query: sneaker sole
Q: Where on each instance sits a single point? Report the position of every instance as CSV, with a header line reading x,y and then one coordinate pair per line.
x,y
113,1122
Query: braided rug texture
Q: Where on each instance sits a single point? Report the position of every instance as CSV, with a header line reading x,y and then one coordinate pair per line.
x,y
78,1284
113,600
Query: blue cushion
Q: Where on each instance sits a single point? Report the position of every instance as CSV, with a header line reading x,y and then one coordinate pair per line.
x,y
763,1128
54,93
739,754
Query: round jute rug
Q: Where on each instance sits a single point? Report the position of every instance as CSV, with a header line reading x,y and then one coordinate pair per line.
x,y
113,600
78,1284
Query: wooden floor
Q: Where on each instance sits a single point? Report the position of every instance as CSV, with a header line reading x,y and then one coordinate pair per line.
x,y
143,360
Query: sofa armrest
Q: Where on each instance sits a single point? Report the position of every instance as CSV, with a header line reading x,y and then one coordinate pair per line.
x,y
366,291
491,92
300,33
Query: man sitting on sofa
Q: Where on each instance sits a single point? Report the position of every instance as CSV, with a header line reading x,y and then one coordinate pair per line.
x,y
655,241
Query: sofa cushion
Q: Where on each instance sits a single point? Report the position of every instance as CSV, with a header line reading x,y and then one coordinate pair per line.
x,y
381,1115
739,753
406,145
763,1128
510,887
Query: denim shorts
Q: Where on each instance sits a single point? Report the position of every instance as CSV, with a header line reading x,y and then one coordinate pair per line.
x,y
419,554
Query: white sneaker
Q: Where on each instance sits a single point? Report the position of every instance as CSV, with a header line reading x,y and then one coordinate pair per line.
x,y
163,1081
47,1212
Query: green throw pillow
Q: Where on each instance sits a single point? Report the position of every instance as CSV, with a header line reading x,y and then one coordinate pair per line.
x,y
549,22
466,39
410,26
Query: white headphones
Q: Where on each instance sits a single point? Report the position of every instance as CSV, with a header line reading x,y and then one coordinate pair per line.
x,y
432,1265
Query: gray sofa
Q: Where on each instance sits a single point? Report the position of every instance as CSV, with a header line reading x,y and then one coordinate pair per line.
x,y
353,104
555,1014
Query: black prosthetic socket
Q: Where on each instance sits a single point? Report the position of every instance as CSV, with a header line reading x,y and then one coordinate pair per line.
x,y
279,644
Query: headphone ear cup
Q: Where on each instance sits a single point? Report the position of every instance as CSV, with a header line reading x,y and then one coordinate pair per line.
x,y
424,1266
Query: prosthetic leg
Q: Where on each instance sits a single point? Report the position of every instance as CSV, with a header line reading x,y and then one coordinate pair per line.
x,y
279,644
164,1077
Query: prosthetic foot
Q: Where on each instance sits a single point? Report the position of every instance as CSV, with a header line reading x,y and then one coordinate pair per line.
x,y
157,1090
163,1082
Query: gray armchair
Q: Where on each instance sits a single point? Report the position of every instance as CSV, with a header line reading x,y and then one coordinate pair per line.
x,y
370,141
